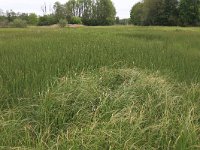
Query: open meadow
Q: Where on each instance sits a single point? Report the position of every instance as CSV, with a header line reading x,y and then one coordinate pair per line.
x,y
118,87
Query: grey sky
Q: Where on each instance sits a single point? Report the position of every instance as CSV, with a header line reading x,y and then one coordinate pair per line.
x,y
123,6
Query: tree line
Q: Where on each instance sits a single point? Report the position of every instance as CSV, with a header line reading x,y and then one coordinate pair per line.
x,y
166,12
103,12
88,12
10,18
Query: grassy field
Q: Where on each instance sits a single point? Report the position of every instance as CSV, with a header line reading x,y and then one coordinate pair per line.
x,y
100,88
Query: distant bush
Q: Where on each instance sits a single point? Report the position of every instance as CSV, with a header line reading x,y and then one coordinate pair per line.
x,y
98,22
4,23
32,19
19,23
125,21
47,20
62,23
90,22
75,20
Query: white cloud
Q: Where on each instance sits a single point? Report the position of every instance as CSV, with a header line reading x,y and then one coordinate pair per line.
x,y
123,6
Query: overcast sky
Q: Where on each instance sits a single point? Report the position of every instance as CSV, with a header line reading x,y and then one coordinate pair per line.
x,y
123,6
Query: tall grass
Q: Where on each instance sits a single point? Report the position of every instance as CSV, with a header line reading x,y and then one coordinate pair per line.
x,y
29,58
111,109
53,95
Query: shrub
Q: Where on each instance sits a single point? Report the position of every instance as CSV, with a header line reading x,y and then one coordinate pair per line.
x,y
4,23
32,19
19,23
47,20
62,23
75,20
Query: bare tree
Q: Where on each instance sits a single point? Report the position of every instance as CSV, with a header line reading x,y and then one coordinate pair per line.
x,y
44,9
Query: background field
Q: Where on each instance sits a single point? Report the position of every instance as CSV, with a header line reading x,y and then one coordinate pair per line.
x,y
100,88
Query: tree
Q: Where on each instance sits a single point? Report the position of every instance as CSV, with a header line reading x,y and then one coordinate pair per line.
x,y
189,12
153,12
60,11
2,16
47,20
105,12
3,20
137,14
22,16
73,8
170,15
32,19
92,12
117,20
19,23
11,15
88,16
1,12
